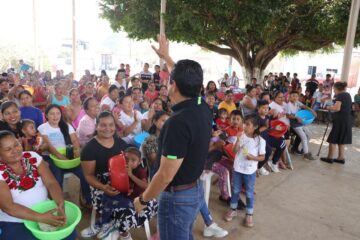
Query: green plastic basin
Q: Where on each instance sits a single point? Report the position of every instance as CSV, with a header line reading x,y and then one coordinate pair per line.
x,y
73,217
65,164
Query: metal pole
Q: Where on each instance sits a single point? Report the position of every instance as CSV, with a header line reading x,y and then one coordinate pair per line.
x,y
73,39
36,67
350,36
162,24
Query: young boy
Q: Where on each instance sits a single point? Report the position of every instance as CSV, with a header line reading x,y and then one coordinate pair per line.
x,y
271,142
302,131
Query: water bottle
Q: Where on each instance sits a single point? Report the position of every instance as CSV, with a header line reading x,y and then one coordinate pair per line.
x,y
69,151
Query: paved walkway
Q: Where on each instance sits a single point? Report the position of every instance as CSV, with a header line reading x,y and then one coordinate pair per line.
x,y
314,201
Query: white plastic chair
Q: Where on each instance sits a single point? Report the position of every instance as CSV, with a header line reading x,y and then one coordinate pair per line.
x,y
206,178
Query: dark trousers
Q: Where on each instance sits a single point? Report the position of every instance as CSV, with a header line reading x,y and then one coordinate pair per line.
x,y
272,142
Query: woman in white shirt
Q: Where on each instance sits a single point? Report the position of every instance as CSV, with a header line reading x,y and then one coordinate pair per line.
x,y
130,119
59,134
109,102
25,180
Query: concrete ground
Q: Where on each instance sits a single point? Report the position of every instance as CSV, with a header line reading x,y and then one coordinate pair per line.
x,y
314,201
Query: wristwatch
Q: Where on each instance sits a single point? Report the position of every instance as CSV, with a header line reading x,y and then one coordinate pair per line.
x,y
141,200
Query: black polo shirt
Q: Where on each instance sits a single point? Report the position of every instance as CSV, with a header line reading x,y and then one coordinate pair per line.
x,y
186,134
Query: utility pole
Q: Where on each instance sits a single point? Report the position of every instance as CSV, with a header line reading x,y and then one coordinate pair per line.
x,y
36,67
73,39
162,24
350,37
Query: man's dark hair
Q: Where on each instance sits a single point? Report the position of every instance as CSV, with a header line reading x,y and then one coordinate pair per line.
x,y
188,76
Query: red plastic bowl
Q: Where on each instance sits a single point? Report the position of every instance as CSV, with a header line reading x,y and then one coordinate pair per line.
x,y
118,174
229,152
277,133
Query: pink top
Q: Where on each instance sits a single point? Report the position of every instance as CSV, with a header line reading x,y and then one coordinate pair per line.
x,y
164,77
76,122
151,95
85,130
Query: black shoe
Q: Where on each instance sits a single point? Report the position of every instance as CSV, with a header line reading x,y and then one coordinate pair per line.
x,y
241,205
327,160
296,152
341,161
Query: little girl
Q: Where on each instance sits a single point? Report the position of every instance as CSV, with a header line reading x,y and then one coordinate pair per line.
x,y
118,211
32,141
249,149
222,122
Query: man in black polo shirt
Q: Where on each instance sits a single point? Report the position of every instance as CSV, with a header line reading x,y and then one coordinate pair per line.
x,y
183,147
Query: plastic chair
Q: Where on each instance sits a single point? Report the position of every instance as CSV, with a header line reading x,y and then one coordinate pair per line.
x,y
206,178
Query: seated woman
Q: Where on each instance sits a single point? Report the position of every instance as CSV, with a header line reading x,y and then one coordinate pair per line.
x,y
109,102
130,119
74,111
59,134
249,102
11,117
94,161
86,128
25,180
147,117
28,111
59,98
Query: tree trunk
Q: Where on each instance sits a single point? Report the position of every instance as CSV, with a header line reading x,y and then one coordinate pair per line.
x,y
255,72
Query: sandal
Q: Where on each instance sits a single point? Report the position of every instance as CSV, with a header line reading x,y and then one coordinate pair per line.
x,y
248,221
327,160
341,161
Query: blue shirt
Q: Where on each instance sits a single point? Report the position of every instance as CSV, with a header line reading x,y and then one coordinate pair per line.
x,y
32,113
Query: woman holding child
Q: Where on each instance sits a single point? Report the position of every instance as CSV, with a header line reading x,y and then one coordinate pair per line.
x,y
115,209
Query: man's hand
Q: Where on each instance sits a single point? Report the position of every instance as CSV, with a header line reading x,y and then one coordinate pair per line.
x,y
163,50
138,206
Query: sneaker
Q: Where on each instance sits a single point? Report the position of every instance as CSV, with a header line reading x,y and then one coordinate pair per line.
x,y
263,171
127,237
106,229
309,156
215,231
296,152
90,231
248,221
230,215
273,167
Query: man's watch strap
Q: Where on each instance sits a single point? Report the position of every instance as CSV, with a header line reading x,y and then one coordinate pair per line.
x,y
141,200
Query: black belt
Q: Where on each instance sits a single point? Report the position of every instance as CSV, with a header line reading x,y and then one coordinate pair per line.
x,y
181,187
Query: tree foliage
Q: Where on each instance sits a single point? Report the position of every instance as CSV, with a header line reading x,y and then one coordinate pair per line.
x,y
252,32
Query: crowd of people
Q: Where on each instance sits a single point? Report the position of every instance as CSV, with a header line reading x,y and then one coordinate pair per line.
x,y
98,119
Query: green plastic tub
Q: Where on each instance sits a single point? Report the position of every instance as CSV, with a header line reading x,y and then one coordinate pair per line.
x,y
73,216
65,164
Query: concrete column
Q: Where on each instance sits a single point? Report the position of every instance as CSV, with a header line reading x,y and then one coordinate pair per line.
x,y
350,37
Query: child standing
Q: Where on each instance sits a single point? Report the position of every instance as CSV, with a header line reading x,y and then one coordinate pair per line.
x,y
249,149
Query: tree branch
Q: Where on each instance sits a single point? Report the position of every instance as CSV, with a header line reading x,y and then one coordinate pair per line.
x,y
220,50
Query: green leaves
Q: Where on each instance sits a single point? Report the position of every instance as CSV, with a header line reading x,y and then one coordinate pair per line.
x,y
243,26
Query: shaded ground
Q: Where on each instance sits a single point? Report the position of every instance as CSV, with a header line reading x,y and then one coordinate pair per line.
x,y
314,201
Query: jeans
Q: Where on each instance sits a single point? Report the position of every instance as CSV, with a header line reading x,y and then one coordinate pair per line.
x,y
304,134
59,176
205,213
316,106
178,211
272,142
249,182
18,231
